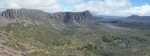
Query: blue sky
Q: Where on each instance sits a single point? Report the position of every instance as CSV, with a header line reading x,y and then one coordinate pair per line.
x,y
102,7
67,7
140,2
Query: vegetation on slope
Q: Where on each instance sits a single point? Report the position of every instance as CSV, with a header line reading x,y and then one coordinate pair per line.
x,y
44,40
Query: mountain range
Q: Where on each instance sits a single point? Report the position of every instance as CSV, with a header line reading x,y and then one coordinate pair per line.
x,y
30,32
70,17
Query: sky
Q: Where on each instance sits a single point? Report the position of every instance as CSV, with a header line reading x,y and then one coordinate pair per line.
x,y
100,7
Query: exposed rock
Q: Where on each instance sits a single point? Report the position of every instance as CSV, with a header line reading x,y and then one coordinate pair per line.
x,y
5,51
76,18
58,20
13,13
72,17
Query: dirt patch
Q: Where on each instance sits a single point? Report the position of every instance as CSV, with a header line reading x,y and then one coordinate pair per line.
x,y
5,51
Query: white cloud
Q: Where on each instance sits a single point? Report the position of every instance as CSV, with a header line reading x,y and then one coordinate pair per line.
x,y
72,2
106,7
46,5
103,7
143,10
114,7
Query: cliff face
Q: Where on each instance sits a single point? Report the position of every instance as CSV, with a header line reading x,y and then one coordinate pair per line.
x,y
55,19
30,13
72,18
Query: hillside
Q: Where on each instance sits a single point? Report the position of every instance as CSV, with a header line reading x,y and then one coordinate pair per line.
x,y
26,32
133,21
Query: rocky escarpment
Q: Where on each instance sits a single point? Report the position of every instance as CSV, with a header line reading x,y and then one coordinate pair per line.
x,y
63,19
36,16
58,19
13,13
73,17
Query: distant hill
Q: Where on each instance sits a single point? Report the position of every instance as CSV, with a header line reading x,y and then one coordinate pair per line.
x,y
130,19
140,19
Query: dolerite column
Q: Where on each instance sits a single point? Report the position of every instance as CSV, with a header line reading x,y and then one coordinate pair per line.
x,y
11,13
15,13
20,13
8,13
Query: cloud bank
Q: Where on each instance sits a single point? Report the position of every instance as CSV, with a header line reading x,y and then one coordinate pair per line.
x,y
101,7
45,5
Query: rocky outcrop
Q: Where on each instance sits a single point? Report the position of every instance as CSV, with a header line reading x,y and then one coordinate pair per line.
x,y
10,13
72,17
13,13
60,19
